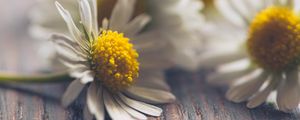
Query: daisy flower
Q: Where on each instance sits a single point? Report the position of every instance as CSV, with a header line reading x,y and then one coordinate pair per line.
x,y
259,55
107,63
178,40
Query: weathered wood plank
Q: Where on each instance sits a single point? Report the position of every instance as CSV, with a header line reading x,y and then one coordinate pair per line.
x,y
197,100
18,53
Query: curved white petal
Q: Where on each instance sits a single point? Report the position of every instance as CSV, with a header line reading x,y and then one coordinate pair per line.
x,y
79,71
150,95
115,111
72,92
242,92
95,29
288,96
140,106
136,25
221,58
129,110
95,101
86,15
88,76
121,14
68,45
262,95
87,114
228,77
74,31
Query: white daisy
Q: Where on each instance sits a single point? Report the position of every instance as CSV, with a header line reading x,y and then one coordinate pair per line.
x,y
259,54
105,61
174,31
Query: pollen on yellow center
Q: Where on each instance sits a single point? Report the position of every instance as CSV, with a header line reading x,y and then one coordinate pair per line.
x,y
114,60
274,39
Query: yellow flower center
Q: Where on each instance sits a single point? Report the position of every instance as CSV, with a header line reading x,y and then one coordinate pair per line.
x,y
114,60
274,39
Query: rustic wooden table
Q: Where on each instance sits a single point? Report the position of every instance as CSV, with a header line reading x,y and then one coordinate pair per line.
x,y
196,99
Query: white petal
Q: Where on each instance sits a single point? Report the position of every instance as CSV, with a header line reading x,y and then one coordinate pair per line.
x,y
72,64
150,95
86,15
221,58
88,76
228,77
115,111
79,71
71,25
121,14
242,92
136,25
95,100
235,66
68,53
86,114
72,92
261,96
93,4
142,107
129,110
288,93
68,45
66,39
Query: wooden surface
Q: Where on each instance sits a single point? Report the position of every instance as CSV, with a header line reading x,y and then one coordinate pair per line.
x,y
18,53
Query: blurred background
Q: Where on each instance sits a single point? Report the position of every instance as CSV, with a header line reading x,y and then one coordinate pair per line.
x,y
15,42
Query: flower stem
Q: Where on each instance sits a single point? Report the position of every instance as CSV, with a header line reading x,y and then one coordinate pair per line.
x,y
52,77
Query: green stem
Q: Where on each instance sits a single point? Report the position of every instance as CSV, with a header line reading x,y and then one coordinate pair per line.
x,y
51,77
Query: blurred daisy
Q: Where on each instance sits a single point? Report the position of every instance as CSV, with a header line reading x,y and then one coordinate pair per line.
x,y
106,62
174,31
262,53
181,23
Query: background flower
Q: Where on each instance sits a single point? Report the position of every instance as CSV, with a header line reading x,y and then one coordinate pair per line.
x,y
255,53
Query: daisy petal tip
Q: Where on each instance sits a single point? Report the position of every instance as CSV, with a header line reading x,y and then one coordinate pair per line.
x,y
159,113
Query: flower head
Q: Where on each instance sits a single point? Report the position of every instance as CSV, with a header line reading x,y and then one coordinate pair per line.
x,y
107,62
169,40
265,58
273,38
114,60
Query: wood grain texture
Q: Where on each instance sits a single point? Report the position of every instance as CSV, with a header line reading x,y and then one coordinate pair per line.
x,y
18,53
